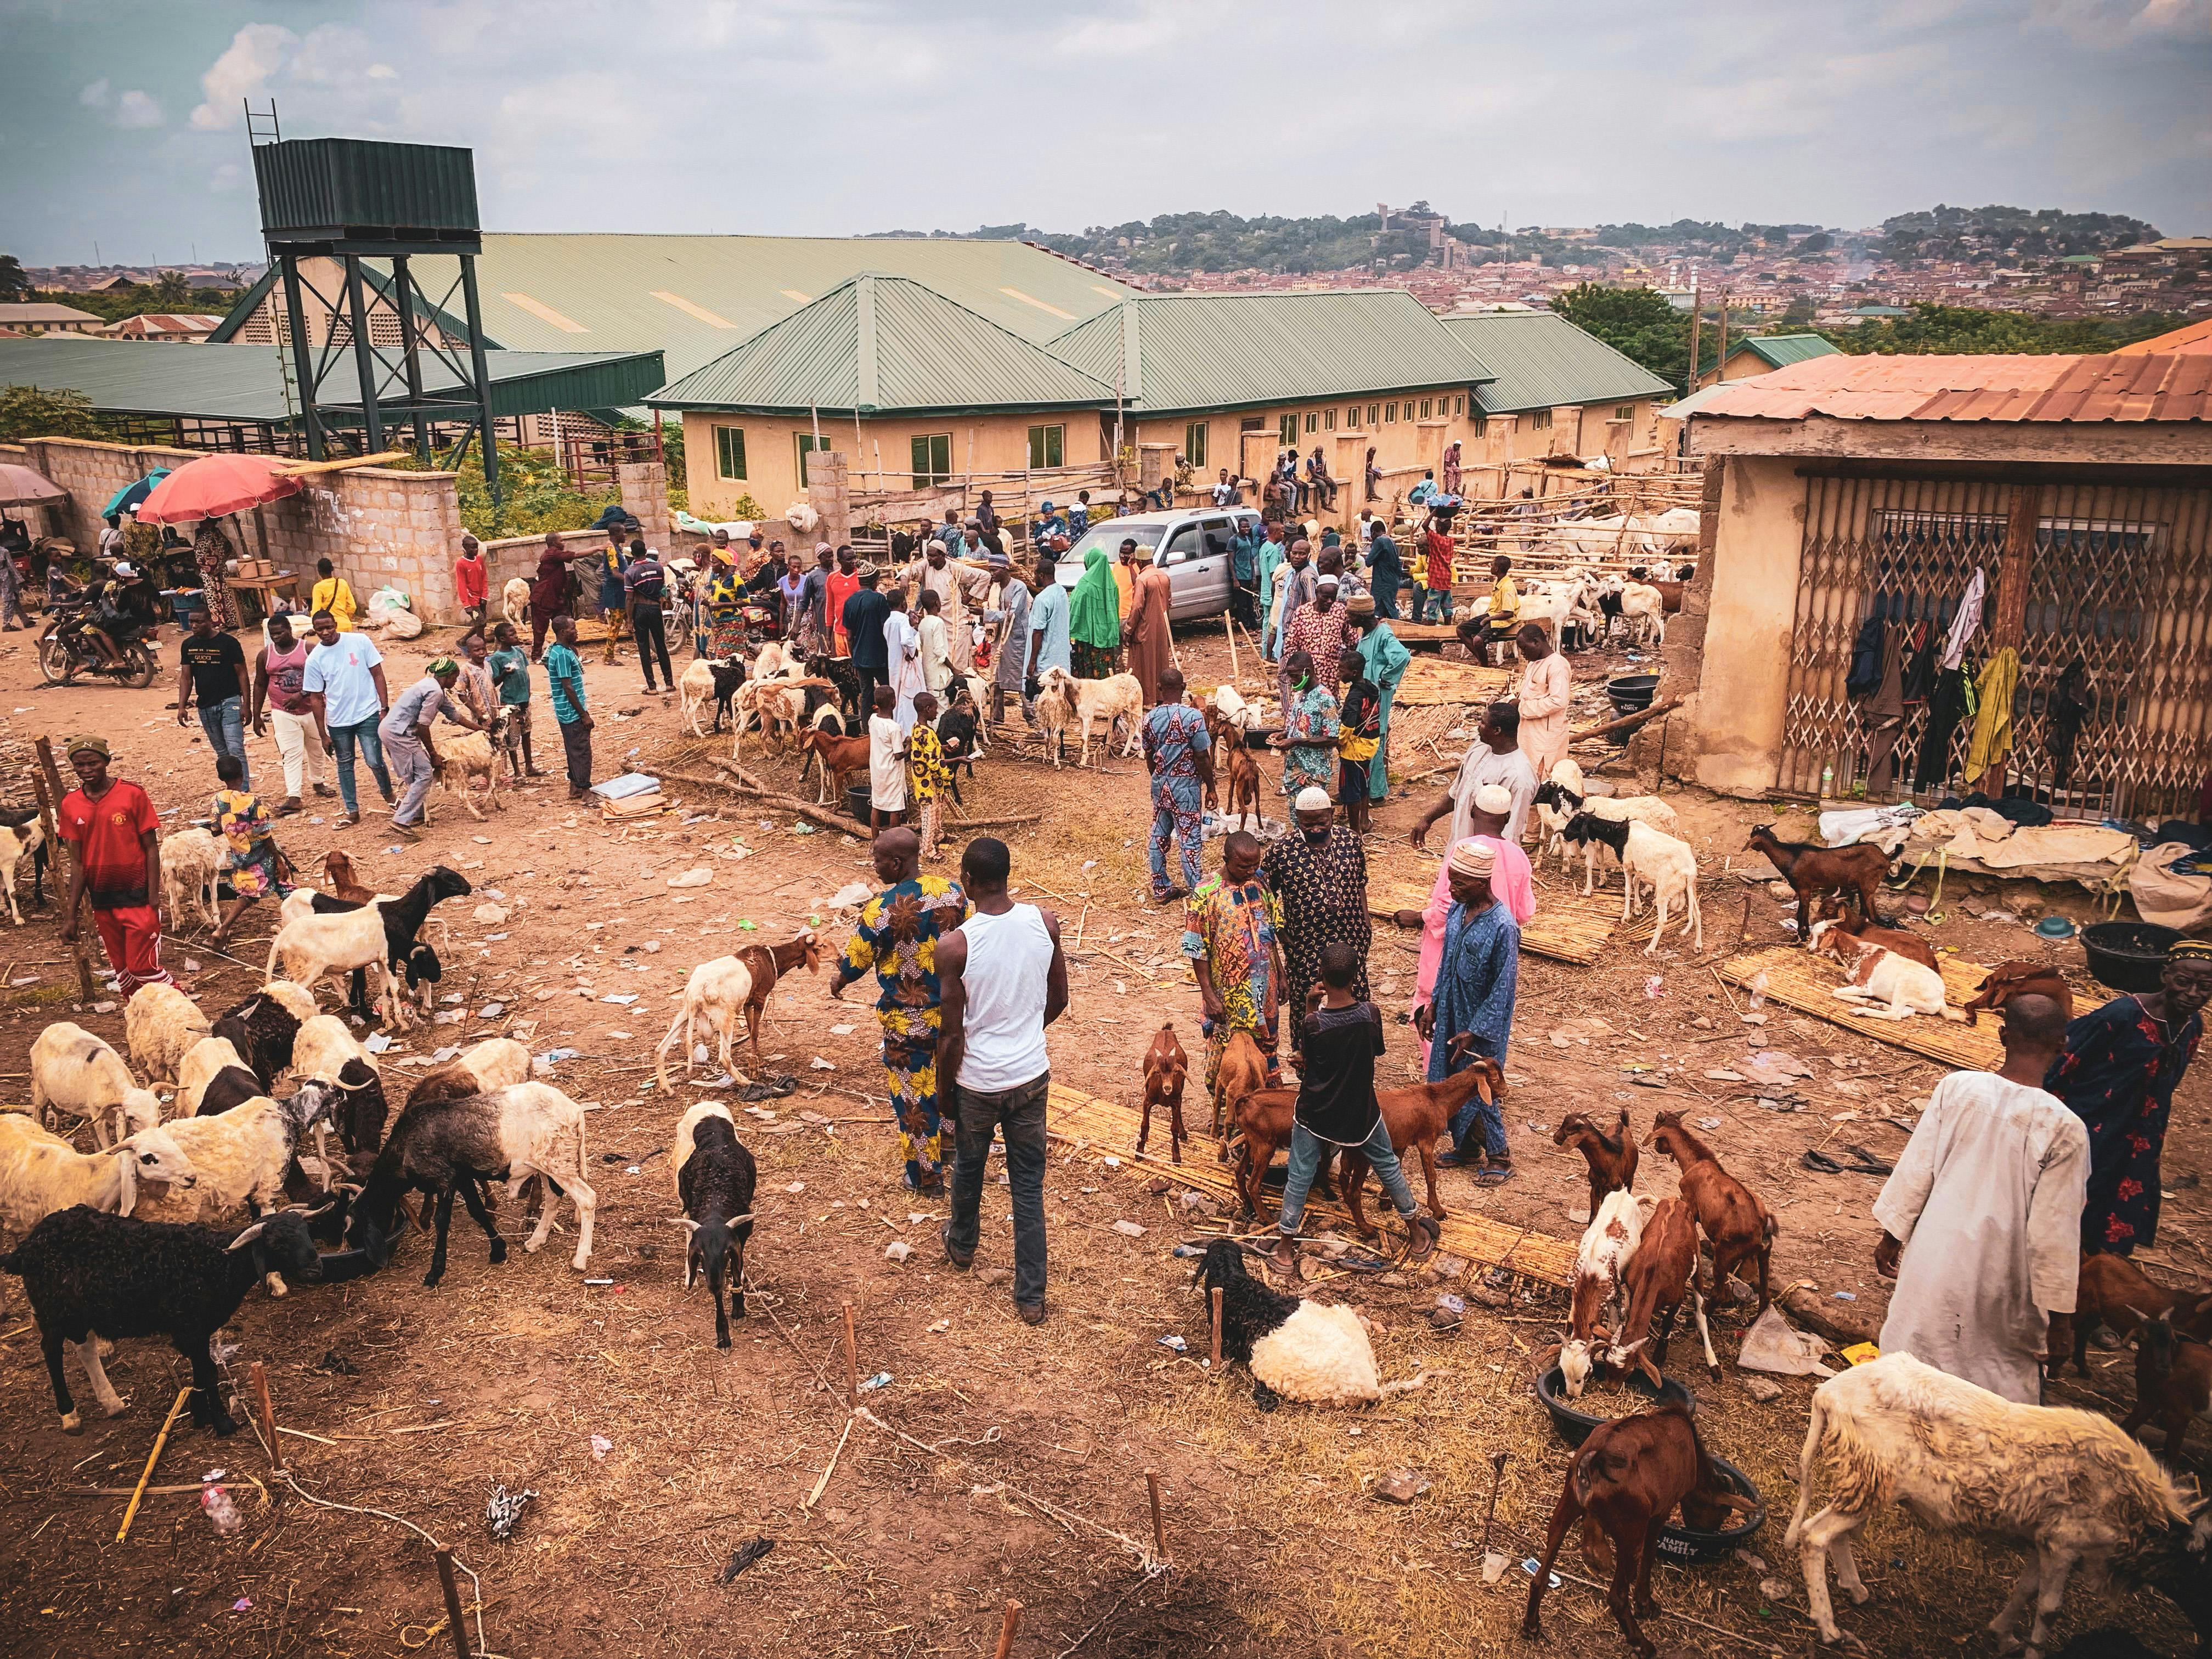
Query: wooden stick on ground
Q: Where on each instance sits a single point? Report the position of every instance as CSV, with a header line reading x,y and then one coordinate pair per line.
x,y
154,1456
256,1377
452,1602
1216,1297
1228,628
852,1360
1007,1626
1159,1531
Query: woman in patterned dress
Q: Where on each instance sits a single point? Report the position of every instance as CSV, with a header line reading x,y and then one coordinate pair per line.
x,y
211,552
242,824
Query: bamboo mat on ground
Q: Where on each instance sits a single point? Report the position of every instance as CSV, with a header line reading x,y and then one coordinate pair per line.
x,y
1797,978
1475,1240
1566,927
1429,682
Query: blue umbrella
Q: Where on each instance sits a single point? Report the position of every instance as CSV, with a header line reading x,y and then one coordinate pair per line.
x,y
130,494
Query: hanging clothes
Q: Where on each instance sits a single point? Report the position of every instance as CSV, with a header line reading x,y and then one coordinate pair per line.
x,y
1866,659
1945,709
1965,621
1885,712
1992,742
2064,713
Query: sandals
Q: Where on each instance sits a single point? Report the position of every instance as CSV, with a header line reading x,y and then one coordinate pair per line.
x,y
1494,1174
1861,1161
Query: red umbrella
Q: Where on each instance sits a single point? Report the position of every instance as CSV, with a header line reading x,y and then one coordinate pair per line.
x,y
215,485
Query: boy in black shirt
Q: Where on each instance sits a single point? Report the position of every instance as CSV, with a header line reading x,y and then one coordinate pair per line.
x,y
1337,1105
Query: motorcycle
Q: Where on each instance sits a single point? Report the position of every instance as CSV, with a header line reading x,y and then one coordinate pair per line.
x,y
65,651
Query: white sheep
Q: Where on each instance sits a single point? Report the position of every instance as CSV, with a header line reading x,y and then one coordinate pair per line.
x,y
202,1063
239,1158
778,710
496,1062
1305,1351
41,1173
514,601
1671,866
160,1022
191,860
1118,697
1608,1244
1644,610
462,757
73,1070
716,994
1900,985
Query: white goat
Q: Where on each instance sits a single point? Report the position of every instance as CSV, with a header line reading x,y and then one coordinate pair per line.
x,y
1608,1243
1644,608
1671,866
40,1173
715,995
17,843
1892,986
190,860
695,691
160,1022
73,1070
1054,711
2069,1484
778,708
202,1063
1120,697
1644,809
460,757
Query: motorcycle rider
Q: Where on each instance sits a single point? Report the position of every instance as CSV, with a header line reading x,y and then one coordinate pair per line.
x,y
117,613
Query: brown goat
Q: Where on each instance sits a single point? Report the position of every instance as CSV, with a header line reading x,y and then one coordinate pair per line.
x,y
343,885
1897,939
1611,1158
1660,1273
1417,1114
1738,1226
2009,979
1234,792
838,757
1263,1122
2112,1290
1165,1068
767,963
2174,1383
1625,1481
1850,872
1243,1068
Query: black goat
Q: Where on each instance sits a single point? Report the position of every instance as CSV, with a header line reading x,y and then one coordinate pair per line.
x,y
263,1031
716,1184
840,673
1588,831
956,730
728,676
90,1274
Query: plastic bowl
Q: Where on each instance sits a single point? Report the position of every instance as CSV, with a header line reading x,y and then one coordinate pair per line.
x,y
1630,692
1686,1543
857,797
1575,1426
2128,956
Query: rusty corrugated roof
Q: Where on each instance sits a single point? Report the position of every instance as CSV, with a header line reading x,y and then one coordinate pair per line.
x,y
2189,338
1995,387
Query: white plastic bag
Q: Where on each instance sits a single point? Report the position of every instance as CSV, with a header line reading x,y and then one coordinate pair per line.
x,y
802,518
387,606
1772,1344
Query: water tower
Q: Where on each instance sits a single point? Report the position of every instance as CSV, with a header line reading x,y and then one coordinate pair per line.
x,y
341,202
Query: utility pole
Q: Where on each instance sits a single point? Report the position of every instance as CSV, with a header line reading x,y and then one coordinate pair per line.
x,y
1720,363
1697,323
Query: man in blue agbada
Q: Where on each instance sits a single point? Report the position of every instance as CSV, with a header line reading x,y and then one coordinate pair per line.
x,y
1473,995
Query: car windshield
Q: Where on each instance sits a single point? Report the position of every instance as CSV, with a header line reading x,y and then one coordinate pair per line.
x,y
1107,538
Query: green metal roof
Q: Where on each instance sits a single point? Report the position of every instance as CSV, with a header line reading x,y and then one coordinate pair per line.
x,y
1541,361
1189,353
884,344
1779,350
246,383
692,298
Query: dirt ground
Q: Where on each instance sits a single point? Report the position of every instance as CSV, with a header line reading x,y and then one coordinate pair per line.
x,y
654,1457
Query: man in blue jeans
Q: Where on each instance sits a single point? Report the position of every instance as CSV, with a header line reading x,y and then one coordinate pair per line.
x,y
345,685
1002,978
212,666
1337,1106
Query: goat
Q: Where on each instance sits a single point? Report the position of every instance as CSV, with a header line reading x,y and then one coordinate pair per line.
x,y
2009,979
1557,805
1241,1070
1652,856
2069,1484
325,1053
1054,711
1417,1114
1847,871
344,884
443,1146
1301,1350
495,1063
778,705
1165,1067
716,994
514,601
839,758
467,756
1602,1260
1235,791
1738,1227
41,1173
24,834
1644,608
704,680
160,1022
1611,1158
263,1027
1829,928
90,1275
840,673
213,1071
2113,1291
240,1158
74,1072
1903,986
190,860
714,1180
956,730
767,963
1662,1273
1119,698
1623,1483
382,936
2173,1382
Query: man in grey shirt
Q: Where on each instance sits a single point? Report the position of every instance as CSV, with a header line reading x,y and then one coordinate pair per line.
x,y
404,731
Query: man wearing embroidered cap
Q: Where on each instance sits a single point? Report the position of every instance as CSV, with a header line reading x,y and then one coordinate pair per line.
x,y
116,834
404,731
1473,998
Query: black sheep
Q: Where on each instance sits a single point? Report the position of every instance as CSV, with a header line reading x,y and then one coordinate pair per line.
x,y
89,1273
1249,1309
956,730
440,1147
233,1085
717,1183
840,673
728,676
263,1031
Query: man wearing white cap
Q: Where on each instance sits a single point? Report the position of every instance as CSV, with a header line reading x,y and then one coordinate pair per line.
x,y
1474,999
1510,879
1318,874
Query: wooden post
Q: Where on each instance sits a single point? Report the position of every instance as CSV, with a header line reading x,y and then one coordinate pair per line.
x,y
1007,1625
1229,627
48,782
852,1361
452,1590
154,1456
256,1377
1697,323
1720,363
1159,1532
2009,611
1216,1294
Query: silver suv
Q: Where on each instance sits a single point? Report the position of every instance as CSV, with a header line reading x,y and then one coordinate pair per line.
x,y
1192,545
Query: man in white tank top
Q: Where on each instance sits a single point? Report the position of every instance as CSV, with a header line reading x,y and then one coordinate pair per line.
x,y
1003,979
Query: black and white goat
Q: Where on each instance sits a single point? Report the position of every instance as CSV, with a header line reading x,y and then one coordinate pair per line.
x,y
714,1179
23,834
1299,1349
91,1275
381,935
264,1028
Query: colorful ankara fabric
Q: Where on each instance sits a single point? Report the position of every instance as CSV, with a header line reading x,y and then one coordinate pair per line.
x,y
1314,715
243,823
1174,735
2118,1072
1321,892
897,939
1229,930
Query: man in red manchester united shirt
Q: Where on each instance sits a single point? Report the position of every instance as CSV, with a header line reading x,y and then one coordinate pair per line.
x,y
113,828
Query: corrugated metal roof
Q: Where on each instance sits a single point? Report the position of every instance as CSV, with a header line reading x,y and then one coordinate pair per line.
x,y
1541,361
1783,349
247,382
883,343
1994,387
40,311
2188,339
1188,353
559,292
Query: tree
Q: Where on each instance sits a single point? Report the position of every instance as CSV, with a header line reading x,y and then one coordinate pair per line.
x,y
1639,323
30,411
14,285
171,289
1966,329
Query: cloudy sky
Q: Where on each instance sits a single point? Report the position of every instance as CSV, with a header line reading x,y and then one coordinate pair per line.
x,y
122,124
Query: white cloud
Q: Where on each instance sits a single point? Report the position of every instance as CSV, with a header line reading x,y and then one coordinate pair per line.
x,y
226,179
136,109
95,96
382,72
256,53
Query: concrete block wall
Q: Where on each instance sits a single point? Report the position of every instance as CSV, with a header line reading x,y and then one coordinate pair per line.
x,y
377,528
92,473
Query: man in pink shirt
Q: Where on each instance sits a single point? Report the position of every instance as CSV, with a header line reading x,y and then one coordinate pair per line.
x,y
1510,879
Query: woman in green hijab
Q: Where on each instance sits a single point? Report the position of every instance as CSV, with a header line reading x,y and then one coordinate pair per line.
x,y
1094,624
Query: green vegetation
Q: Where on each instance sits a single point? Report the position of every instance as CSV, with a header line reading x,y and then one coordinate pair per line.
x,y
1949,233
1639,323
30,411
170,293
14,285
538,494
1965,331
